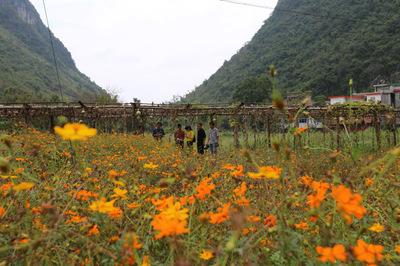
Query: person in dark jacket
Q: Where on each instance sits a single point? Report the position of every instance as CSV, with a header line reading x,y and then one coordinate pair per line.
x,y
158,132
201,138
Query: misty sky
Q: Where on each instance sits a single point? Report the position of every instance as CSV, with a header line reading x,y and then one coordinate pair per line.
x,y
152,49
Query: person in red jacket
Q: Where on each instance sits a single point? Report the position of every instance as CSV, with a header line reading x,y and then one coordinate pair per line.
x,y
179,136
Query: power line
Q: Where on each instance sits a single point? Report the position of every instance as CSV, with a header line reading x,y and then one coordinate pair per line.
x,y
307,13
54,54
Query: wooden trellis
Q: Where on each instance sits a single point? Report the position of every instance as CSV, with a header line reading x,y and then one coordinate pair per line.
x,y
97,115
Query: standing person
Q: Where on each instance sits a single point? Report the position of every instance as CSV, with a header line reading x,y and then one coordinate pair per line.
x,y
158,132
201,138
189,137
213,138
179,136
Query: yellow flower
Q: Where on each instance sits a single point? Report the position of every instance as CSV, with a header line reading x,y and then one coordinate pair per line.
x,y
102,206
146,261
174,211
377,227
24,186
119,183
150,166
75,131
206,255
120,193
266,172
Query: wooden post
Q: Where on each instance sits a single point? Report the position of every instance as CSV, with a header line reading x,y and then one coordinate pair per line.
x,y
245,131
124,118
26,114
133,116
377,132
298,136
269,132
52,123
388,133
323,128
235,130
331,132
394,131
338,133
283,128
255,131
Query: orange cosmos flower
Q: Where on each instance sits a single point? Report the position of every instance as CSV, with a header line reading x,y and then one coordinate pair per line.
x,y
397,249
243,201
347,202
93,231
204,189
113,239
206,255
76,219
134,205
2,211
270,221
302,225
222,214
131,243
112,174
240,190
305,180
315,199
116,213
238,171
331,254
300,130
368,252
172,220
169,227
75,131
377,227
266,172
253,219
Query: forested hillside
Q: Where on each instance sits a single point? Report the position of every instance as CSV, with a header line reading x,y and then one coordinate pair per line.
x,y
316,46
27,71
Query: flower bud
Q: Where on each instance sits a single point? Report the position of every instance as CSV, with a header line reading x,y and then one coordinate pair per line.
x,y
272,71
6,140
4,165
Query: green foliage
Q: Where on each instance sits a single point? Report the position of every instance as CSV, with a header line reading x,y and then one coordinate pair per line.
x,y
253,90
26,60
319,100
316,53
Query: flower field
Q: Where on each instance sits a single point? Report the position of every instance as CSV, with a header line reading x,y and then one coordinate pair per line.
x,y
82,197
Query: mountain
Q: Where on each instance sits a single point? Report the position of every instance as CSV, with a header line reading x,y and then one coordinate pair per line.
x,y
316,46
27,70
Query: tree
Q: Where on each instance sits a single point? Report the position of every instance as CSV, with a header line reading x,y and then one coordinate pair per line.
x,y
16,95
320,100
108,96
253,90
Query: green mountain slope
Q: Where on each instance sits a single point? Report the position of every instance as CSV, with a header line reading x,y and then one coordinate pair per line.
x,y
341,39
27,71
